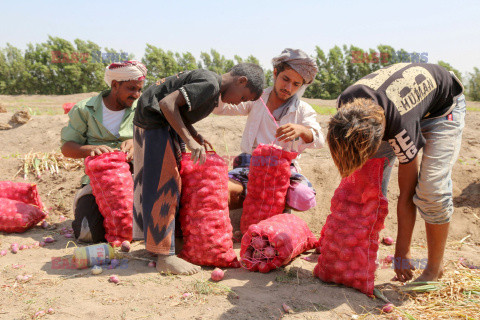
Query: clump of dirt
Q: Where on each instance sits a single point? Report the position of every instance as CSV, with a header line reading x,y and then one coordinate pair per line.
x,y
21,117
5,126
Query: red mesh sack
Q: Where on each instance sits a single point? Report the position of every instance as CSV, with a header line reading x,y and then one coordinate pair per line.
x,y
67,107
268,182
24,192
274,242
17,216
349,238
204,214
112,186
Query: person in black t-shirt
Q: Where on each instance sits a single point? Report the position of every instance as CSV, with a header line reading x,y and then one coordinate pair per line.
x,y
394,112
162,127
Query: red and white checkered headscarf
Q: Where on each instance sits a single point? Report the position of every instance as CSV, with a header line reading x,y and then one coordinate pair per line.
x,y
125,71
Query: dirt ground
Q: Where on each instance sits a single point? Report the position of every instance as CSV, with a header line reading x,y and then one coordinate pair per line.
x,y
144,294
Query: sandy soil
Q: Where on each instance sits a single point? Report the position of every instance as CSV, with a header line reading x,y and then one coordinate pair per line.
x,y
144,294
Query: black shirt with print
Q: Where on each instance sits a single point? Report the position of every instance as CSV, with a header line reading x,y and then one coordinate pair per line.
x,y
200,88
408,93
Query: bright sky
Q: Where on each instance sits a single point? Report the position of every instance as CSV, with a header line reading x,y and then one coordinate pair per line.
x,y
446,30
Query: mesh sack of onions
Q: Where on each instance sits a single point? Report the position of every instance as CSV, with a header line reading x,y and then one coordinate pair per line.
x,y
112,186
349,239
275,242
18,216
204,214
20,191
268,182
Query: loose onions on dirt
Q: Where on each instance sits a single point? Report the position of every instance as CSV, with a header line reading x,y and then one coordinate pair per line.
x,y
96,270
217,274
388,308
48,239
125,247
114,279
387,241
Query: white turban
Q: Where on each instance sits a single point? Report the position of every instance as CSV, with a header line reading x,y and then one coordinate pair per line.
x,y
125,71
298,61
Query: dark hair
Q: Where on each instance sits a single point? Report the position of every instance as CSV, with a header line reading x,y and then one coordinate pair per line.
x,y
282,66
254,73
354,134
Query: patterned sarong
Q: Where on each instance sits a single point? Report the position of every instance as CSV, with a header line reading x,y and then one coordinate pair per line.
x,y
157,186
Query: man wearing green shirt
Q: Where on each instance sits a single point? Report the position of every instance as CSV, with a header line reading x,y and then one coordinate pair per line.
x,y
99,125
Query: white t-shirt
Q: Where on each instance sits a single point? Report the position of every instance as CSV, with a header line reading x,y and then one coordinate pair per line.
x,y
112,119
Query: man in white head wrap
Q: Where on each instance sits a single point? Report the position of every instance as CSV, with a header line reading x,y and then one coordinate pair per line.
x,y
125,71
279,116
98,125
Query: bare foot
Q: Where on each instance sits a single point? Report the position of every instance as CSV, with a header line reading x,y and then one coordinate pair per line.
x,y
175,265
429,275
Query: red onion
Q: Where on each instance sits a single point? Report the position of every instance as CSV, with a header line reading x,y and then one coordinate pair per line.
x,y
217,274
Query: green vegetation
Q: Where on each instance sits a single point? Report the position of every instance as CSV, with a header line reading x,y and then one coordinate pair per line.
x,y
324,109
58,66
473,85
206,287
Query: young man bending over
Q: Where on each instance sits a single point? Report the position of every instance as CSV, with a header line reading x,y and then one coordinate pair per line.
x,y
394,112
163,123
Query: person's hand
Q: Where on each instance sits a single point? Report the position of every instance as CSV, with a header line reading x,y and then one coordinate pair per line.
x,y
127,147
98,150
204,142
198,151
290,131
403,267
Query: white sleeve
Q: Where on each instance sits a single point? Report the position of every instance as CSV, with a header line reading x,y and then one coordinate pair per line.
x,y
225,109
308,118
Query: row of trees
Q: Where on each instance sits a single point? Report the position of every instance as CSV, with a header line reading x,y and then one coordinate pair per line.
x,y
58,66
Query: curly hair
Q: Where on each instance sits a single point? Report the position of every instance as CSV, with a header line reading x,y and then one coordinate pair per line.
x,y
355,133
254,74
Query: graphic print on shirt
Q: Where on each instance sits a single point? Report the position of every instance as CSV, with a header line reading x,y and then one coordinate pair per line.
x,y
403,147
405,92
408,91
378,78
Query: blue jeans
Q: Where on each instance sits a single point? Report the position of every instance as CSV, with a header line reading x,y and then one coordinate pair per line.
x,y
433,194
